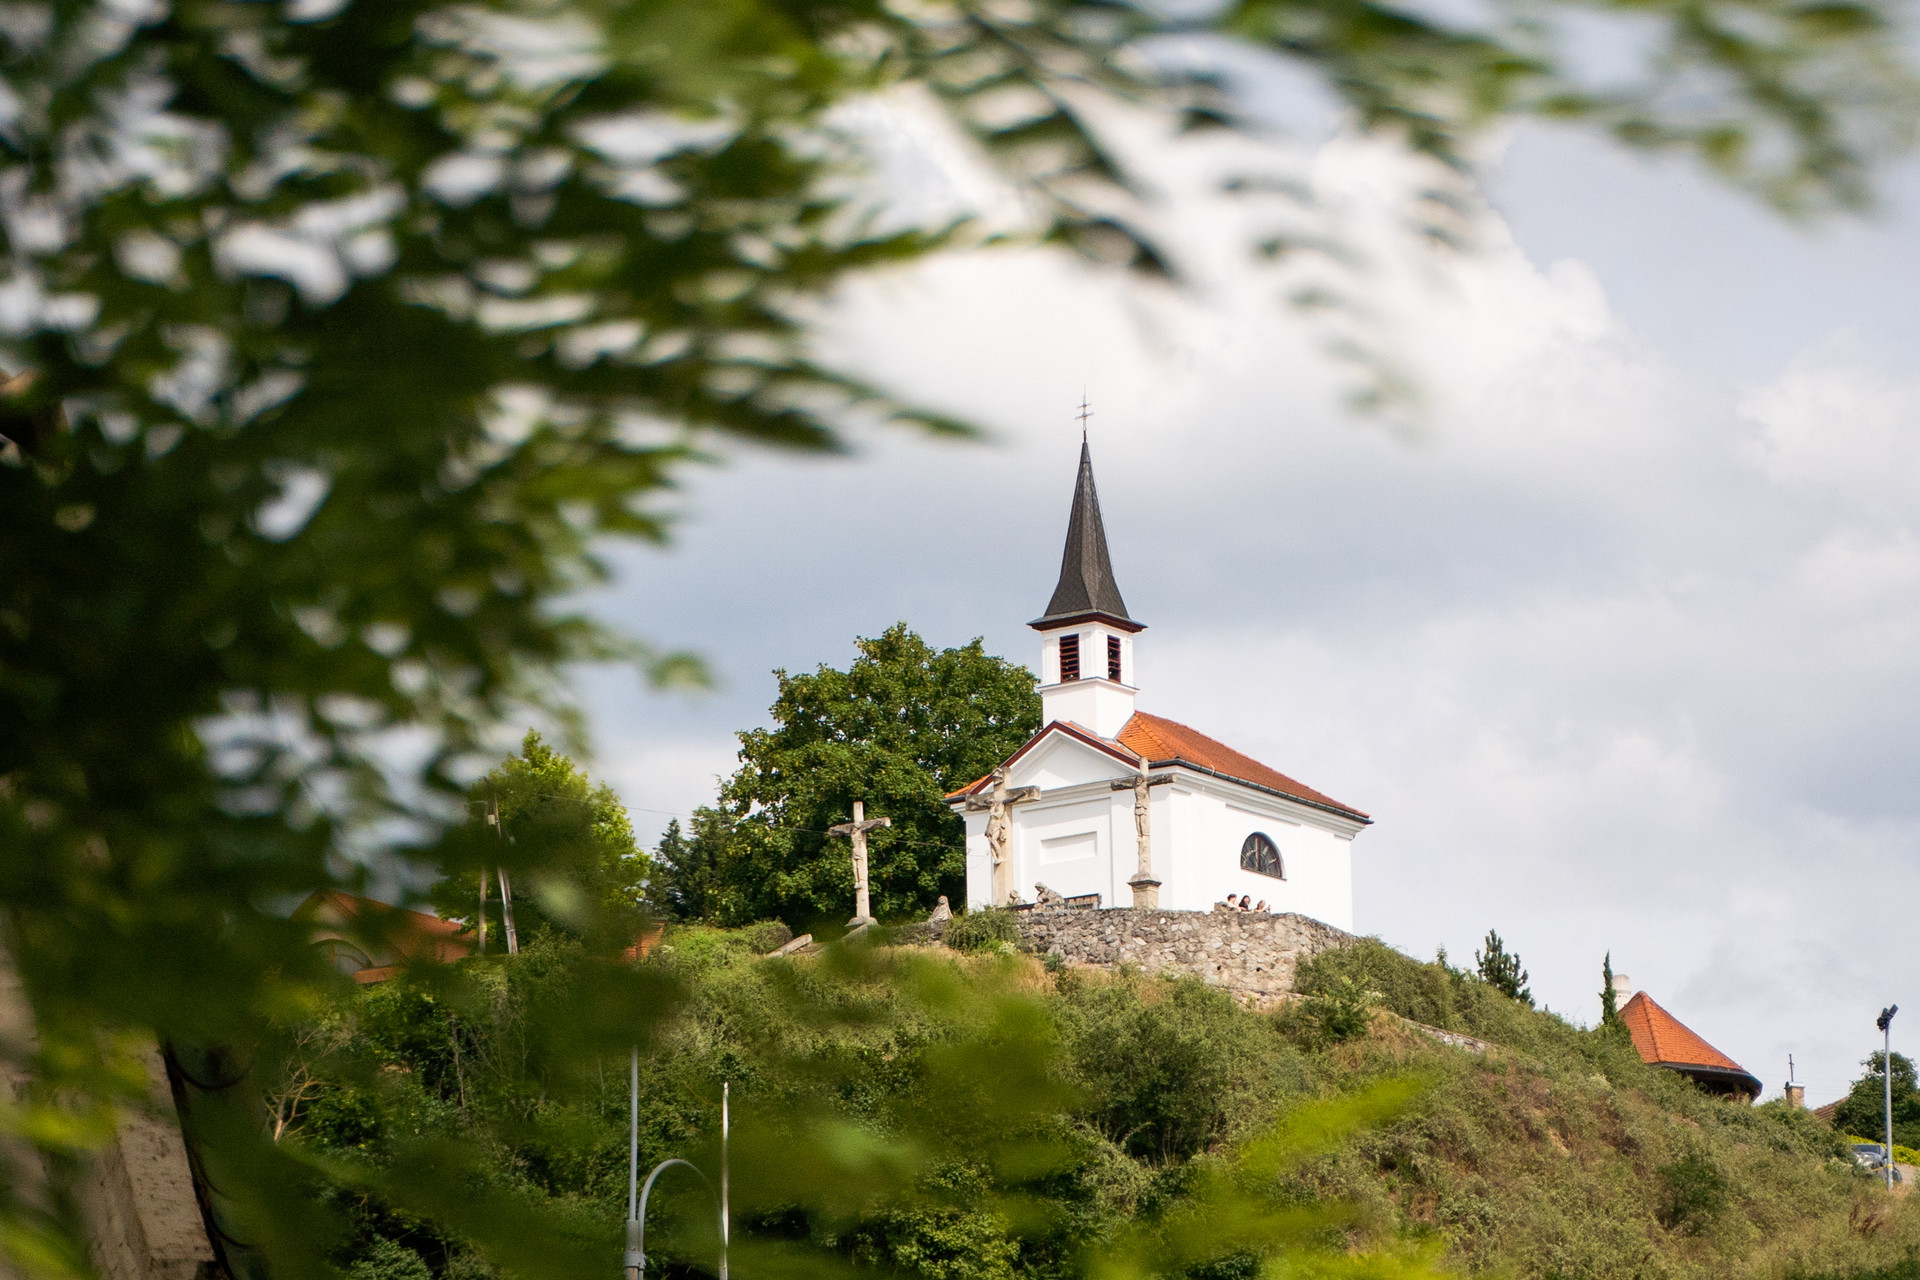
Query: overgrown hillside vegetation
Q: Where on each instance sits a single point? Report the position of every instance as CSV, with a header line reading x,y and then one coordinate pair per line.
x,y
913,1112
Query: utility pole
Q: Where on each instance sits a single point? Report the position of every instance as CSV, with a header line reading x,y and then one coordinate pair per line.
x,y
506,886
1885,1023
857,830
483,911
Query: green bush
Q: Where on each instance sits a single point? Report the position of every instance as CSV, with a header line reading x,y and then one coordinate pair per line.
x,y
763,936
983,930
386,1260
1168,1067
1693,1193
1336,1011
1426,993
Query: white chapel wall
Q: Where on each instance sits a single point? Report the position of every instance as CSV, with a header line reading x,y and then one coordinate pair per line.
x,y
1207,822
1067,845
1079,839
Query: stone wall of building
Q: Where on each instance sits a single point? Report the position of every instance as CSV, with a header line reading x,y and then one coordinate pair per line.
x,y
1249,953
135,1195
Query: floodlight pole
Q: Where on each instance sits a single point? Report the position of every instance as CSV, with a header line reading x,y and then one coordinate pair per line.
x,y
1885,1023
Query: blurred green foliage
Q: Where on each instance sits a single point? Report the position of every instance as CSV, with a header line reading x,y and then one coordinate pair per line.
x,y
964,1121
901,727
349,331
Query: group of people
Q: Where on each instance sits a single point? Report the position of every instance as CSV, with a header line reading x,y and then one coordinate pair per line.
x,y
1244,902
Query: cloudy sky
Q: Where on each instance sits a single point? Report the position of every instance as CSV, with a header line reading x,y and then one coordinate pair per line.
x,y
1618,639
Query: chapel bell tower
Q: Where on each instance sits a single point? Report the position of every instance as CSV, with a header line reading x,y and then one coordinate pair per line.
x,y
1086,656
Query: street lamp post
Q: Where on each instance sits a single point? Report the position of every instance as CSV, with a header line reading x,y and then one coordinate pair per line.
x,y
1885,1023
635,1261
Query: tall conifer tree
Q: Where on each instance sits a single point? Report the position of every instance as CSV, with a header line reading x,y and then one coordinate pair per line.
x,y
1609,1005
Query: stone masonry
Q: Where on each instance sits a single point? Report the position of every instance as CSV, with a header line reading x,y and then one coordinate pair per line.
x,y
1251,953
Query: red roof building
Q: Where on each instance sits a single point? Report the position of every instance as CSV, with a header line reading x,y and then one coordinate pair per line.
x,y
1664,1041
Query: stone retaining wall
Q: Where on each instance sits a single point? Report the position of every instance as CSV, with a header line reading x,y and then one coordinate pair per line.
x,y
1249,953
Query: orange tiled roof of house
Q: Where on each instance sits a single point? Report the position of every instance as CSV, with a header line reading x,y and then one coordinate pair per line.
x,y
412,934
1665,1041
1162,741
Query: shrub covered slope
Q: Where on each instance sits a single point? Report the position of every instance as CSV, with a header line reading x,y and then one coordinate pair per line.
x,y
988,1117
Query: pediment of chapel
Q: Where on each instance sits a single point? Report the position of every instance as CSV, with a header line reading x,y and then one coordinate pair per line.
x,y
1058,756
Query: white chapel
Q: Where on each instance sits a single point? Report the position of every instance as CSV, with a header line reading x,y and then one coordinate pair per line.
x,y
1113,807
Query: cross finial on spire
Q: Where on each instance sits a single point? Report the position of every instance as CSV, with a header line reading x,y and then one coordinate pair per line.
x,y
1086,411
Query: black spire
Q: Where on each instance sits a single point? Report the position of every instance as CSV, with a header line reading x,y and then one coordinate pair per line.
x,y
1087,588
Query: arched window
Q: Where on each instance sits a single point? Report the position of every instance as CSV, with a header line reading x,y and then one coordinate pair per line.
x,y
1258,854
343,956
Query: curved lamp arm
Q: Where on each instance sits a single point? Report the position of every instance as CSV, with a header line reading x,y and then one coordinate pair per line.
x,y
636,1255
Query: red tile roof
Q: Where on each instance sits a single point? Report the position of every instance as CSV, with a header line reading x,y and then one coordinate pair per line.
x,y
412,934
1162,742
1665,1041
1157,742
955,795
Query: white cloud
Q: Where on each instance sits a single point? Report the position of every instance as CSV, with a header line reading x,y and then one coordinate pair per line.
x,y
1833,426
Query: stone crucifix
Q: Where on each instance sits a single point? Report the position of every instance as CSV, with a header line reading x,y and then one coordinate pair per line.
x,y
857,830
1146,889
996,803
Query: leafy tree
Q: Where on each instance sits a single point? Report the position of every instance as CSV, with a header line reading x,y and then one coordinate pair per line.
x,y
685,866
346,331
900,728
1863,1110
568,846
1502,971
1609,1000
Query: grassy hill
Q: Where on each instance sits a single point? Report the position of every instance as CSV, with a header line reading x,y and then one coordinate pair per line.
x,y
1560,1154
915,1112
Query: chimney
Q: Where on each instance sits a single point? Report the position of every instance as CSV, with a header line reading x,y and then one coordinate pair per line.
x,y
1622,989
1797,1096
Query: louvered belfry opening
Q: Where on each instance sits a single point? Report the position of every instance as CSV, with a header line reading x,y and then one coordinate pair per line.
x,y
1069,658
1113,659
